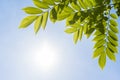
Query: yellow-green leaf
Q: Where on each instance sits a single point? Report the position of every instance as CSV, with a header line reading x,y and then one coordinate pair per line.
x,y
32,10
75,6
53,14
82,4
27,21
110,55
63,16
112,41
99,37
114,29
70,30
37,24
102,60
68,9
88,3
41,4
113,22
50,2
114,16
85,28
99,43
76,37
113,35
89,32
113,48
44,21
81,32
97,32
98,51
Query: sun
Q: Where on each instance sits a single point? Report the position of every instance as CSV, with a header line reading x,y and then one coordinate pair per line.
x,y
46,57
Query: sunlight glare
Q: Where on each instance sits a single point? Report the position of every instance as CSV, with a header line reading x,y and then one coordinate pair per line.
x,y
46,57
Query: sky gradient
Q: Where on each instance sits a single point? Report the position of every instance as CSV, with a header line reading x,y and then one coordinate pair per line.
x,y
18,46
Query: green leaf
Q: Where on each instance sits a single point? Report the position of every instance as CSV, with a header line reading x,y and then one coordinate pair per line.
x,y
112,41
75,6
44,21
41,4
27,21
37,24
63,16
99,37
76,25
97,32
69,20
68,9
113,48
89,32
32,10
95,54
81,32
93,2
57,0
76,36
102,60
70,30
113,22
85,28
82,4
114,29
53,14
50,2
88,3
114,16
99,43
113,35
98,51
110,55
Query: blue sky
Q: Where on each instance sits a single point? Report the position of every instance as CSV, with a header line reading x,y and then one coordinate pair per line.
x,y
18,46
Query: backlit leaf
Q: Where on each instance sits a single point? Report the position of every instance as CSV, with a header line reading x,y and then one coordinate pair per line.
x,y
44,20
114,16
63,16
37,24
81,32
99,37
98,51
113,35
113,48
32,10
70,30
53,14
110,55
76,37
81,2
99,43
27,21
114,29
41,4
112,41
102,60
50,2
113,22
75,6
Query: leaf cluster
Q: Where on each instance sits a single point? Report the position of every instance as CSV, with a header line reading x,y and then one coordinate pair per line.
x,y
83,17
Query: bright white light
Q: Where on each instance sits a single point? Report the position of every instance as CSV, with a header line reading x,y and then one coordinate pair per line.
x,y
45,57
